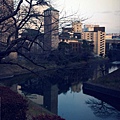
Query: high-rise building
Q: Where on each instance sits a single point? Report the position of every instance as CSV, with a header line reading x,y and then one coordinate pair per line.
x,y
98,37
51,29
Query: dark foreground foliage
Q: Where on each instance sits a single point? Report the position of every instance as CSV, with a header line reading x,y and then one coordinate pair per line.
x,y
13,106
48,117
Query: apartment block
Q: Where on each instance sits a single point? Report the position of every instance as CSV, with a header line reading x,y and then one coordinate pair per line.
x,y
98,37
77,26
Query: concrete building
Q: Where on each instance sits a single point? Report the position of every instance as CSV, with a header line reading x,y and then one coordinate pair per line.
x,y
73,42
98,37
89,27
77,27
108,36
51,29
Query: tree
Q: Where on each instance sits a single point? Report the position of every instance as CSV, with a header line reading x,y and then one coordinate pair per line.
x,y
64,47
87,49
14,22
13,105
102,109
18,19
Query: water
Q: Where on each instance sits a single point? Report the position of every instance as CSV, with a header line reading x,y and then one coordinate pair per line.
x,y
112,69
72,106
75,105
61,93
79,106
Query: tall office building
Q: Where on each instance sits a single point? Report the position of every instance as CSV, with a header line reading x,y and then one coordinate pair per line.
x,y
51,29
98,37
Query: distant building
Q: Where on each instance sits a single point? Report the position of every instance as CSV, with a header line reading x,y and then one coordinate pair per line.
x,y
77,35
98,37
64,36
77,27
108,36
89,27
112,36
67,29
74,43
51,29
76,46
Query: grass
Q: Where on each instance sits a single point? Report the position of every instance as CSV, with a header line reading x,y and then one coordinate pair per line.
x,y
112,80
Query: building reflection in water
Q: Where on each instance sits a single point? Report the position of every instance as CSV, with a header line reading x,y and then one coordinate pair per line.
x,y
51,98
76,87
45,92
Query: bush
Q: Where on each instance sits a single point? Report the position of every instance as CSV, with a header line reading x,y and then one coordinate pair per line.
x,y
13,106
48,117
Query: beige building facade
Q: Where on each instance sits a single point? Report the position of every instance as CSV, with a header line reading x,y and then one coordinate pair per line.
x,y
99,41
77,27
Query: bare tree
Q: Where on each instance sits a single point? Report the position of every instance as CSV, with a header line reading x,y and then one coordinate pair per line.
x,y
17,33
16,21
102,109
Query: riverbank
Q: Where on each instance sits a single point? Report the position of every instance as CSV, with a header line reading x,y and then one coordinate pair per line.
x,y
19,72
111,80
105,88
110,96
102,90
9,71
32,109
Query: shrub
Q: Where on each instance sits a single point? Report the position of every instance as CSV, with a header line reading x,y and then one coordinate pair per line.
x,y
13,105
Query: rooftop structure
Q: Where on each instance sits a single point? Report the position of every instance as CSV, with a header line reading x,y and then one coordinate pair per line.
x,y
89,27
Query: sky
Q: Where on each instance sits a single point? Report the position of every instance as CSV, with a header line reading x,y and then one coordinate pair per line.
x,y
105,13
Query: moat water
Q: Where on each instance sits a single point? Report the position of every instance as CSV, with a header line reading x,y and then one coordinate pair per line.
x,y
75,105
62,93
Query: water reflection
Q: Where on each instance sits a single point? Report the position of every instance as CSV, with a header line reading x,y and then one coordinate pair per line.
x,y
45,90
102,109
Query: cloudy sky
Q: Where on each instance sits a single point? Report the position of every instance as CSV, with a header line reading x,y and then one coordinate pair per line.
x,y
103,12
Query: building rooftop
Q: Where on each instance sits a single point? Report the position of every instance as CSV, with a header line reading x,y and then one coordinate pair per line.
x,y
52,9
42,2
